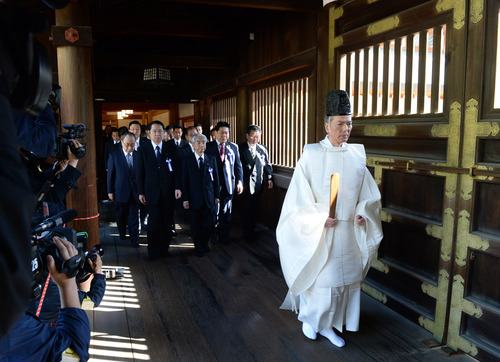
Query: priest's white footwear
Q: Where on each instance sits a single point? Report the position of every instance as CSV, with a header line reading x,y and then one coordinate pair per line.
x,y
308,331
332,337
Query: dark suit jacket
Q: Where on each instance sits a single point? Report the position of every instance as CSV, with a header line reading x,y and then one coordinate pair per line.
x,y
143,140
200,189
121,180
109,147
172,147
256,171
155,182
184,151
231,172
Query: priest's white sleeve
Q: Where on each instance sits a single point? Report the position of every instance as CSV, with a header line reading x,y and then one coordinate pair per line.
x,y
370,235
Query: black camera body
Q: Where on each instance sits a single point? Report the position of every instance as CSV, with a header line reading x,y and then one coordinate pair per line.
x,y
64,140
88,270
42,246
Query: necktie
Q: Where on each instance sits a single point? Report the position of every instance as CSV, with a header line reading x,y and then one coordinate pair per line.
x,y
200,164
252,151
222,152
129,160
158,155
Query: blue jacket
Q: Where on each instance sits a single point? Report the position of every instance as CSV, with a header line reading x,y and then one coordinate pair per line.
x,y
32,340
37,135
52,302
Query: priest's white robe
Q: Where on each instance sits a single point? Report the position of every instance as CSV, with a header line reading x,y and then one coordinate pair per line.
x,y
324,267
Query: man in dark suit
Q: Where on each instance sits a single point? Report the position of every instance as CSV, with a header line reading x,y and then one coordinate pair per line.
x,y
174,147
257,173
156,183
230,176
122,188
200,193
188,148
135,128
177,141
112,145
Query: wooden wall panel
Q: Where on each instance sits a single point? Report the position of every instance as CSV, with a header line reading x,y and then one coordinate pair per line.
x,y
405,289
410,248
283,36
489,151
483,331
483,291
430,149
487,208
418,195
484,276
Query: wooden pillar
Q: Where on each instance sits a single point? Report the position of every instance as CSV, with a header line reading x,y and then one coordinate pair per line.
x,y
174,113
324,79
203,109
73,40
242,117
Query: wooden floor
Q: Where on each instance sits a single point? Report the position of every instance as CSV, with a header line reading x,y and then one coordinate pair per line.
x,y
225,307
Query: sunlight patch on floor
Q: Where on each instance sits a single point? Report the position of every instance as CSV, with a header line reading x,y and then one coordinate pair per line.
x,y
120,296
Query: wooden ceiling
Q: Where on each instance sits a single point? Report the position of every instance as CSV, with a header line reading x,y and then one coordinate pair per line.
x,y
198,40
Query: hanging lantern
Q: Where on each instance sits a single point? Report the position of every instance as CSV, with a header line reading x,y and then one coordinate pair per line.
x,y
157,76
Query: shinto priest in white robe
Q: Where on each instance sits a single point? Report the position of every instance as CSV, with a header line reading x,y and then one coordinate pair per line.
x,y
324,267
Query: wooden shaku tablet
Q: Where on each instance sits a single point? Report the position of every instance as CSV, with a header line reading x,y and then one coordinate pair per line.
x,y
334,190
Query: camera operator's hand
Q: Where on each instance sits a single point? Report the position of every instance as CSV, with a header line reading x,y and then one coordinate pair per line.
x,y
67,286
98,264
73,160
62,166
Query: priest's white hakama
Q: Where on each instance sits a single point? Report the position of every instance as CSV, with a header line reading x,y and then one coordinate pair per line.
x,y
324,267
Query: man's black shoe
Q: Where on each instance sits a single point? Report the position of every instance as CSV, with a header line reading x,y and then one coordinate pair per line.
x,y
173,233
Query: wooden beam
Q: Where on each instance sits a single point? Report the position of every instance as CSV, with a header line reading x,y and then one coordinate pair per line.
x,y
282,5
298,61
133,96
160,27
137,107
133,60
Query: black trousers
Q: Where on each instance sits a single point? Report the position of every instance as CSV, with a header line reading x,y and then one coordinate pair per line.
x,y
224,216
159,221
202,222
127,213
248,206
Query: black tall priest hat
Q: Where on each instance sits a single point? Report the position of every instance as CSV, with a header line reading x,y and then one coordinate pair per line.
x,y
337,103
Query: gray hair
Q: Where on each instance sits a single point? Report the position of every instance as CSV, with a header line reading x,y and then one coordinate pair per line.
x,y
328,119
127,134
198,135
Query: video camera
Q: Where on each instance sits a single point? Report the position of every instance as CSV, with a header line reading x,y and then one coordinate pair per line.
x,y
42,244
64,139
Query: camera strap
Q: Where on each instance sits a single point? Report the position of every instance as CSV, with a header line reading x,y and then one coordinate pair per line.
x,y
42,298
71,266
